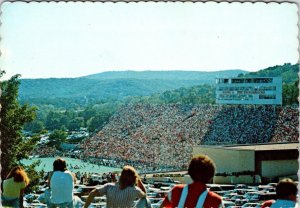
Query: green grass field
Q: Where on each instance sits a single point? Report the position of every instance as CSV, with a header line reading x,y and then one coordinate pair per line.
x,y
47,165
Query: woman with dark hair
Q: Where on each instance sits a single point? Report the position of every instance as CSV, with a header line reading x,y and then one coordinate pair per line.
x,y
13,187
61,183
124,193
286,194
202,170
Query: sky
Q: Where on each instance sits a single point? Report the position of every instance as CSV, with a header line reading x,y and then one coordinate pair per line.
x,y
42,40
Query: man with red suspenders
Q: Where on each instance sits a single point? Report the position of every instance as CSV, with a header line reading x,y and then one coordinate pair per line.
x,y
202,170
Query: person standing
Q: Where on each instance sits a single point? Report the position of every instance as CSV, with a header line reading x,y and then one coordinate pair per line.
x,y
201,169
13,187
123,193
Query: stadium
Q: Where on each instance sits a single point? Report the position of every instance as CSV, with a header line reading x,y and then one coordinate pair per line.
x,y
248,133
160,138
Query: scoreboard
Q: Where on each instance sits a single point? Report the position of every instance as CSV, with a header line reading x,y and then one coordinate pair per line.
x,y
259,90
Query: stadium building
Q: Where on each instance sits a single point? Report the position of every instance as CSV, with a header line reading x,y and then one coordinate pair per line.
x,y
267,161
258,91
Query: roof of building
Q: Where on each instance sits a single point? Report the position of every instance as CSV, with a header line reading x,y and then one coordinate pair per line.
x,y
261,147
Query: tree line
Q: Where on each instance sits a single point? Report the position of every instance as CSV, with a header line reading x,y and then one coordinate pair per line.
x,y
95,116
92,117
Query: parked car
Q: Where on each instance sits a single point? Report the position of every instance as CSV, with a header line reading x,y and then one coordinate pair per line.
x,y
97,199
240,191
158,194
226,187
229,197
256,205
150,188
240,202
30,197
241,186
83,190
272,184
234,198
264,187
249,195
214,187
98,205
156,202
167,181
254,198
228,204
165,188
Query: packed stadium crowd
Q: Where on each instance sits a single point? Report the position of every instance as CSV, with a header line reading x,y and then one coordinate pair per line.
x,y
250,124
45,151
163,135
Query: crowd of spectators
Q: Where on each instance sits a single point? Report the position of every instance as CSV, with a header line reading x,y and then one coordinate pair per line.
x,y
286,127
162,136
253,124
45,151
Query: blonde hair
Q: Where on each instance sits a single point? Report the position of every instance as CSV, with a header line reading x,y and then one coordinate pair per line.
x,y
19,175
128,177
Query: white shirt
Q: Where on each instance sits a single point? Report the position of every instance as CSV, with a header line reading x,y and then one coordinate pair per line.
x,y
61,184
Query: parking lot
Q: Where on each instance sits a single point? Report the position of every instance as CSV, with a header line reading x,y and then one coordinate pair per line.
x,y
234,196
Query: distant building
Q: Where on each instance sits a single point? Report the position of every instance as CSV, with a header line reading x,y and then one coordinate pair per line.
x,y
269,161
260,91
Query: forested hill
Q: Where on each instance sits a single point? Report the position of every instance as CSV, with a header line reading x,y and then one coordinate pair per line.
x,y
288,72
115,85
91,100
161,86
204,76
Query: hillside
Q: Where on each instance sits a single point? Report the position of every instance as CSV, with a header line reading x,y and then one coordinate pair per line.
x,y
198,94
206,77
288,72
152,86
114,85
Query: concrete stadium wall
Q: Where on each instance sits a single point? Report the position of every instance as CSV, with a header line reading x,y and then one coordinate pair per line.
x,y
229,160
181,179
245,179
233,179
273,168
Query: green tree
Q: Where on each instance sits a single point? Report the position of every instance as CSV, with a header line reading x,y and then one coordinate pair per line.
x,y
35,177
57,137
97,122
53,120
34,126
288,72
88,113
64,121
76,123
13,117
290,93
